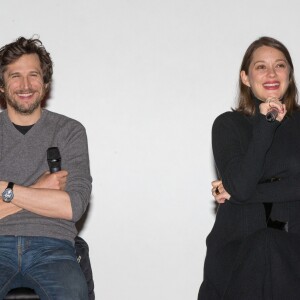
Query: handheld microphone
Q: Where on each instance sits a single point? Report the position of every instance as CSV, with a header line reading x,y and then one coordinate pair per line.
x,y
272,115
54,159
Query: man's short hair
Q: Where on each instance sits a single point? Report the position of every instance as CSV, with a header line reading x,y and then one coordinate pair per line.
x,y
13,51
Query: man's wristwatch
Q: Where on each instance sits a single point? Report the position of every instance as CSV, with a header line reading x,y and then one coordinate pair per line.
x,y
8,194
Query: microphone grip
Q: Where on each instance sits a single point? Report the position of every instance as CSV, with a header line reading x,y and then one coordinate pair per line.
x,y
54,159
272,115
55,167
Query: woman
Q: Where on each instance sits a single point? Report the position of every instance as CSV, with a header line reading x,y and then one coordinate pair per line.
x,y
253,250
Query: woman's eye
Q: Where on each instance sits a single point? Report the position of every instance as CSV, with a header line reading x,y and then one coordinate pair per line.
x,y
281,66
260,67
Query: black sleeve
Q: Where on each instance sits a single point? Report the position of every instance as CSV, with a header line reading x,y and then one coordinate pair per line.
x,y
284,190
240,145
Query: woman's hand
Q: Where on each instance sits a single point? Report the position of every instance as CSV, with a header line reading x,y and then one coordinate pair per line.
x,y
273,103
218,191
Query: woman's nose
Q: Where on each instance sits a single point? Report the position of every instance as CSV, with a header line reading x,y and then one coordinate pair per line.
x,y
271,72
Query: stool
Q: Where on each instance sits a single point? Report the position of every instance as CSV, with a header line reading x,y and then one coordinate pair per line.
x,y
22,294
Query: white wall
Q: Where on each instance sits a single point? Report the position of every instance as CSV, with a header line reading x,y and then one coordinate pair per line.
x,y
147,79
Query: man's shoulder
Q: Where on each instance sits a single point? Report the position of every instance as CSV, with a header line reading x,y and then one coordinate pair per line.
x,y
3,113
61,119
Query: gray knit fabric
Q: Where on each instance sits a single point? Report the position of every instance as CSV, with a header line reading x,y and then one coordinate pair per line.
x,y
23,159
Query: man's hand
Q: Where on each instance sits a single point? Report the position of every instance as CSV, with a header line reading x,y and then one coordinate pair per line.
x,y
218,191
7,209
55,181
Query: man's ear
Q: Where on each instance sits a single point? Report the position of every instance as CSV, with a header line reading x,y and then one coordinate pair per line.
x,y
245,79
46,86
1,89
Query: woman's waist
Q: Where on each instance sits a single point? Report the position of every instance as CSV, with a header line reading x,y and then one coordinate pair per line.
x,y
241,220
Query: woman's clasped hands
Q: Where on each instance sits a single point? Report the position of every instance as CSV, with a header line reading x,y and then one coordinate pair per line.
x,y
273,103
218,191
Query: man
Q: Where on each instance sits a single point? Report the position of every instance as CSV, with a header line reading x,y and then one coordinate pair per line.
x,y
38,209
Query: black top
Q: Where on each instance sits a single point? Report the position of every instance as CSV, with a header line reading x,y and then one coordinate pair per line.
x,y
23,129
245,258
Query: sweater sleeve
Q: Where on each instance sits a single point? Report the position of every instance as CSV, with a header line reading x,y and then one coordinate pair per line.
x,y
239,148
273,191
75,159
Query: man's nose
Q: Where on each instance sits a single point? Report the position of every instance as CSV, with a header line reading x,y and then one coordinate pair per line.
x,y
26,82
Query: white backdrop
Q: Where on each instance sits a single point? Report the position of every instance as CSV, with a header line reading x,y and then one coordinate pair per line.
x,y
147,79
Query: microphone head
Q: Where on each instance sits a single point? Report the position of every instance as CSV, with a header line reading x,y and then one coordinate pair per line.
x,y
272,115
54,159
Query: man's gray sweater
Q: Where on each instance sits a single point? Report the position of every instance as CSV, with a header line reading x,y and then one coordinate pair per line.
x,y
23,159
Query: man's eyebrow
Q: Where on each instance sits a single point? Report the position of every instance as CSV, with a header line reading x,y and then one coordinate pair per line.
x,y
13,73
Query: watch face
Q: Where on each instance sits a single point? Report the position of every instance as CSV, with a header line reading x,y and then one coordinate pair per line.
x,y
7,195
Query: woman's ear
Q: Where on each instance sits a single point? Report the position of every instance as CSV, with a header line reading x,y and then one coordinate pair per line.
x,y
245,79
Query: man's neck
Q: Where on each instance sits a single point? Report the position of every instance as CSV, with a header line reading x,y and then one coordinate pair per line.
x,y
22,119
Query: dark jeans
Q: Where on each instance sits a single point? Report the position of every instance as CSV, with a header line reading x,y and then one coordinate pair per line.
x,y
47,265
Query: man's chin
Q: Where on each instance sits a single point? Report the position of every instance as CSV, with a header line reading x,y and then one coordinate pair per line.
x,y
27,110
24,108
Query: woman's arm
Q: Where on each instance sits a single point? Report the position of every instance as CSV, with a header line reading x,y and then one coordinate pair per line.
x,y
240,145
284,190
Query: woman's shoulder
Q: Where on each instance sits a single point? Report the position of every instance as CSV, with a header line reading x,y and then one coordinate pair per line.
x,y
295,114
230,117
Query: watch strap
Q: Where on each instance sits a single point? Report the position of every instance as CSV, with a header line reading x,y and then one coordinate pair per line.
x,y
10,185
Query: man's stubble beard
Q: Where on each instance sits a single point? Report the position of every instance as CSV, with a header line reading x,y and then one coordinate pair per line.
x,y
24,109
